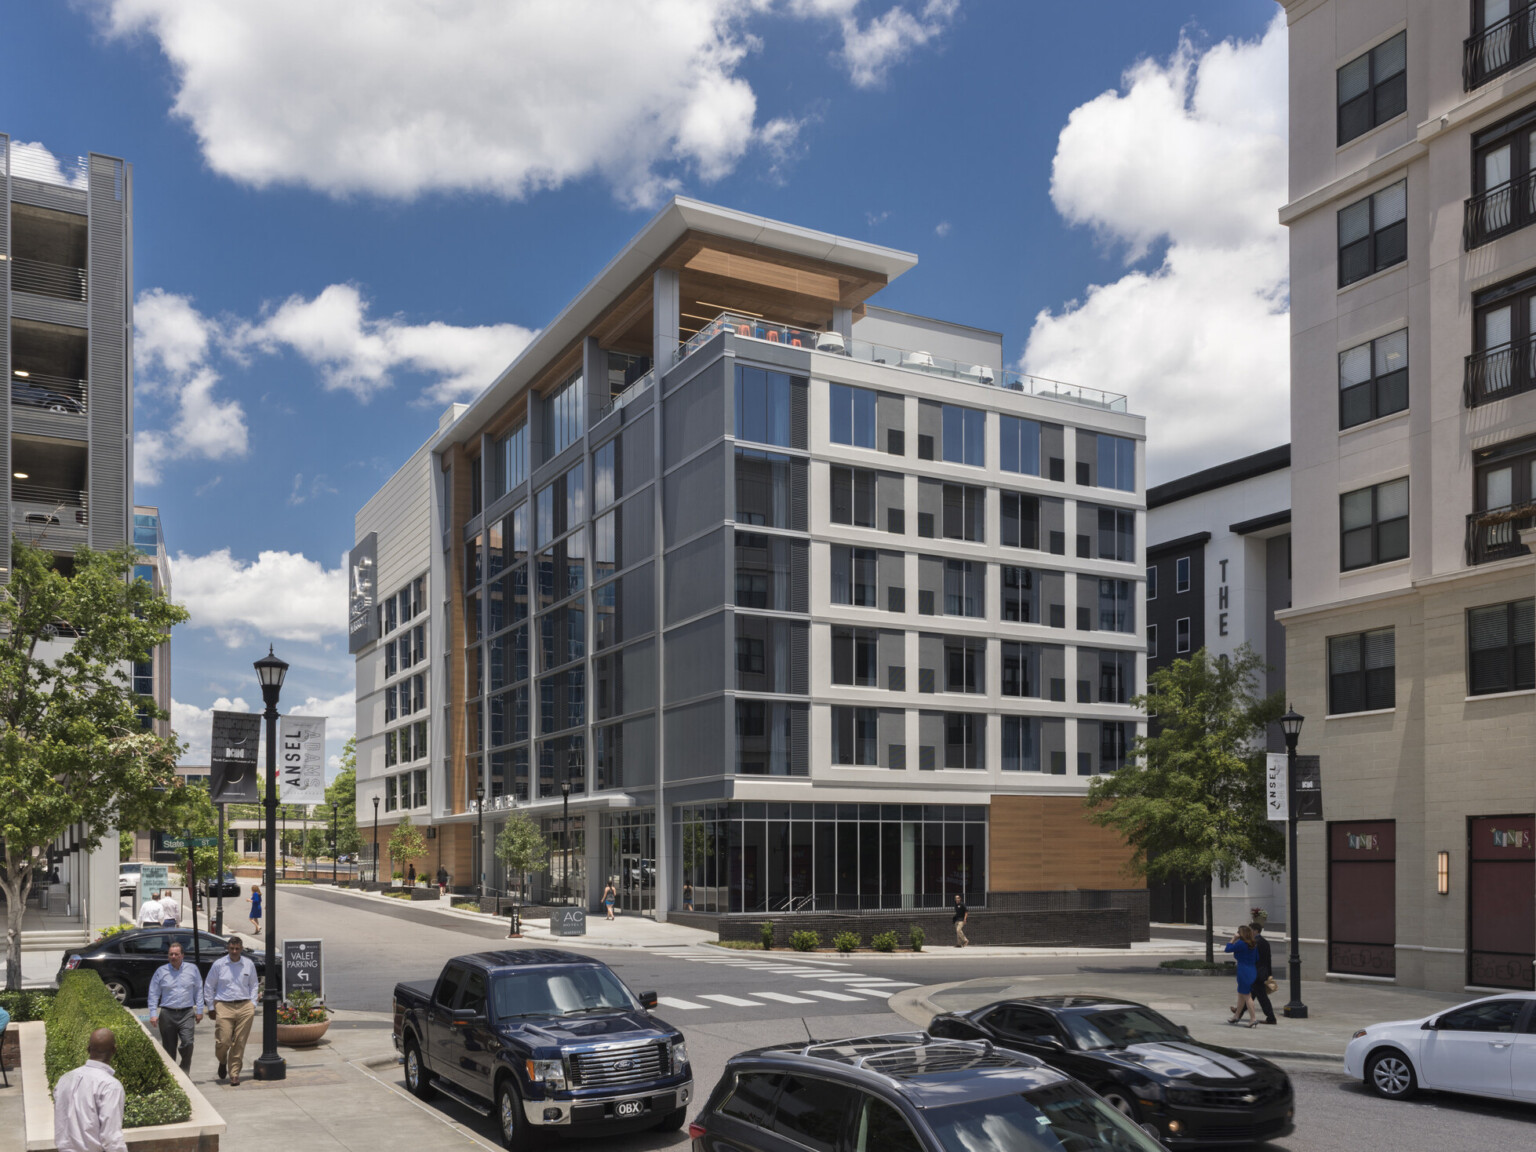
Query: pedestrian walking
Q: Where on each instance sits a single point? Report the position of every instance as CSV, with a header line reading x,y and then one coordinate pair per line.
x,y
88,1101
410,877
176,1004
230,993
961,914
442,881
1265,972
151,912
1246,954
170,909
255,909
687,897
609,896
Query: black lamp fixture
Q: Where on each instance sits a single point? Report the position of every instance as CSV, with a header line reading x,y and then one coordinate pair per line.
x,y
269,1065
1290,725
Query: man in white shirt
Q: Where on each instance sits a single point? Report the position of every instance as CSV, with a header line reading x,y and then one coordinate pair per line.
x,y
170,909
88,1102
230,994
151,912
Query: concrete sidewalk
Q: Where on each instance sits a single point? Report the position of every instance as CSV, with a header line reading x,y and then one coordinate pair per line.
x,y
1336,1009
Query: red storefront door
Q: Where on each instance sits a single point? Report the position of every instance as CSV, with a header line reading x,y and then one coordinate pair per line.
x,y
1362,898
1501,904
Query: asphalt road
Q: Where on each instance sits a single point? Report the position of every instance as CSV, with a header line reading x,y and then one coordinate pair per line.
x,y
371,945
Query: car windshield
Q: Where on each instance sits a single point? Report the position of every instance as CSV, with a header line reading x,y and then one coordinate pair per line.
x,y
1060,1118
559,992
1121,1028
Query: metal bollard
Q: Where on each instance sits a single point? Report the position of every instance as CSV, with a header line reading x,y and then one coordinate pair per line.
x,y
514,922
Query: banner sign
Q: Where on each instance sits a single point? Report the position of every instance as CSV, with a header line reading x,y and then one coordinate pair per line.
x,y
362,593
1276,787
153,878
1309,788
235,766
301,760
301,967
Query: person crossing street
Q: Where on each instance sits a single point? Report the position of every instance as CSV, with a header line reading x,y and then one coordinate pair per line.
x,y
176,1004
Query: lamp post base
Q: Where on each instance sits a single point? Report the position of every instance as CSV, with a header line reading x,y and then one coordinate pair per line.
x,y
270,1068
1294,1011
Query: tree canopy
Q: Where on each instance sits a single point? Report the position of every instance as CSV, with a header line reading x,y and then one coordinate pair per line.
x,y
342,792
1190,799
521,847
406,843
75,751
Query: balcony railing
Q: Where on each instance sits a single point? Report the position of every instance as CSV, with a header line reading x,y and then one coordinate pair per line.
x,y
1494,533
1498,372
41,278
1499,211
789,335
631,393
51,393
1496,50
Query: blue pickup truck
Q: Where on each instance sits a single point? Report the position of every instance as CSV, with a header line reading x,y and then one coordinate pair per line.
x,y
545,1041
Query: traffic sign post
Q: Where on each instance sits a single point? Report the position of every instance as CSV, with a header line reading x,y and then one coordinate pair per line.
x,y
178,843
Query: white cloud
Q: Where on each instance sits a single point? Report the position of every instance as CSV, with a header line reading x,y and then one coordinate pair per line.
x,y
399,98
943,228
318,485
1191,153
356,353
281,596
194,726
340,712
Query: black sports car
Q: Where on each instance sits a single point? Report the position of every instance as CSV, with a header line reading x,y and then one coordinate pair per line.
x,y
1148,1067
127,960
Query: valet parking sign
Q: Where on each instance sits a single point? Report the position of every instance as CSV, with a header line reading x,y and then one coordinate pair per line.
x,y
301,760
301,967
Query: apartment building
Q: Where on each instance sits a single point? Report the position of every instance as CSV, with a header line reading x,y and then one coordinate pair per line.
x,y
1218,569
66,247
1413,424
757,595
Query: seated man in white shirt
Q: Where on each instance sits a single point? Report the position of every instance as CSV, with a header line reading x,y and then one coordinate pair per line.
x,y
151,912
170,909
88,1102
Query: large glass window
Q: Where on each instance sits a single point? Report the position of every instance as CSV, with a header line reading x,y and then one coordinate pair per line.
x,y
852,412
770,490
964,435
565,415
1112,463
965,512
854,576
1373,525
1503,334
766,570
1501,648
855,736
1021,594
511,459
606,482
855,657
1503,163
1373,379
1373,233
1019,520
763,407
965,588
1373,88
1020,445
853,496
766,738
1362,672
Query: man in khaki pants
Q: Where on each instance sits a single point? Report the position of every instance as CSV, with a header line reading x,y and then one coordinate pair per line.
x,y
230,993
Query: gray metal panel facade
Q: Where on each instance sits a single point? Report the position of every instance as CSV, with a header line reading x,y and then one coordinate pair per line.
x,y
108,407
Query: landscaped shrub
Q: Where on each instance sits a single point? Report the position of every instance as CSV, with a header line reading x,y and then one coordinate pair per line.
x,y
82,1005
113,930
845,941
804,940
883,941
25,1006
765,932
917,936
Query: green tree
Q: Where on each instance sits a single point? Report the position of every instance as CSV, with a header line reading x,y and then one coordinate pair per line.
x,y
522,848
1190,800
193,814
74,752
342,792
406,843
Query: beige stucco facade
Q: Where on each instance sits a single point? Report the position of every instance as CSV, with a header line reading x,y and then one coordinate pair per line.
x,y
1440,757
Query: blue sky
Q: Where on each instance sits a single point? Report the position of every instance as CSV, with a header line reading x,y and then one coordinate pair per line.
x,y
349,212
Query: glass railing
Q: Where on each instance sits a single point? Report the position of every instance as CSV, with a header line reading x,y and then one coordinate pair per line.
x,y
913,360
630,393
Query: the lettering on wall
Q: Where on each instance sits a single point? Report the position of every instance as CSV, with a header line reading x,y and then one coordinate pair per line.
x,y
1222,601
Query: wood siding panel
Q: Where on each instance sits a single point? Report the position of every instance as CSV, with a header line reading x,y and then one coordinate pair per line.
x,y
1045,843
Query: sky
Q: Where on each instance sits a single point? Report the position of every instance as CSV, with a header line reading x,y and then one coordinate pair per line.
x,y
351,213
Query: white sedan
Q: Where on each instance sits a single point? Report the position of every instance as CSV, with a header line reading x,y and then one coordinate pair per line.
x,y
1485,1048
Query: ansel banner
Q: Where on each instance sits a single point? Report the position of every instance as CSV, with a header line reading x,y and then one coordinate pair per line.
x,y
301,967
1277,787
236,737
301,759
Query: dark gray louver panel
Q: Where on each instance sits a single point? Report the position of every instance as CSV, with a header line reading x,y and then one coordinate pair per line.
x,y
799,575
107,383
799,739
799,404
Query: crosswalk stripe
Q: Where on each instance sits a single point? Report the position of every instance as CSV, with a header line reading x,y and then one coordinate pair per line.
x,y
889,983
846,977
826,994
674,1002
783,997
864,990
734,1001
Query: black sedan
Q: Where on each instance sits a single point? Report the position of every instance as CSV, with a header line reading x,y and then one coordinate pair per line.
x,y
229,886
1146,1066
127,961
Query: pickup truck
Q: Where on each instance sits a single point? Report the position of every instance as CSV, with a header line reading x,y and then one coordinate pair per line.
x,y
543,1040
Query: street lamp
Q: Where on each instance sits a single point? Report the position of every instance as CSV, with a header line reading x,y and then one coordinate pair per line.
x,y
375,839
269,1065
565,838
1290,724
480,830
335,841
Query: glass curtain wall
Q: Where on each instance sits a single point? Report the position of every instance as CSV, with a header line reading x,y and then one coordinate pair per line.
x,y
564,879
629,858
776,857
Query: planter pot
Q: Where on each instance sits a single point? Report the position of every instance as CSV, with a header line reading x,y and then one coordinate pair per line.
x,y
301,1035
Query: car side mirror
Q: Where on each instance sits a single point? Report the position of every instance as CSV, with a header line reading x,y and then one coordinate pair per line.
x,y
1184,1028
461,1016
647,999
1430,1025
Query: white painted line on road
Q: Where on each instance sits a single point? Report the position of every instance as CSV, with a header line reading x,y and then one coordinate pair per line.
x,y
826,995
847,978
865,990
674,1002
884,984
734,1001
783,998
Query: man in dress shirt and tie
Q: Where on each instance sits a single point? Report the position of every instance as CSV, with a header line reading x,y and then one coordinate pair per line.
x,y
176,1004
88,1101
230,993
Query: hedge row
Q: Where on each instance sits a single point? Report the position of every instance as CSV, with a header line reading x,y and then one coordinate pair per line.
x,y
25,1006
82,1005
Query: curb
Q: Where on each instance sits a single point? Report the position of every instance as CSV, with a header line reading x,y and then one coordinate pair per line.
x,y
378,1061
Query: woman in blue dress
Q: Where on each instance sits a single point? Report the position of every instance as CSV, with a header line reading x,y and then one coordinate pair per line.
x,y
255,908
1245,951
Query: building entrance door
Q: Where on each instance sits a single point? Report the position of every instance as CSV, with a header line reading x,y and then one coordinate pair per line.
x,y
629,859
1501,900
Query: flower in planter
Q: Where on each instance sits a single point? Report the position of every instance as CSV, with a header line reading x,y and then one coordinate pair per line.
x,y
302,1007
1258,915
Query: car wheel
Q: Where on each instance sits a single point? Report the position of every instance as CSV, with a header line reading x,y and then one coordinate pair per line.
x,y
1117,1098
416,1076
119,988
1389,1074
672,1121
511,1124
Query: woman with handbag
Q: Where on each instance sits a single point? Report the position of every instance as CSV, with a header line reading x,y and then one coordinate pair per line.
x,y
1246,954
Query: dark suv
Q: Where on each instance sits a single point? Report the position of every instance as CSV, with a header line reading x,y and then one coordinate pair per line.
x,y
907,1092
